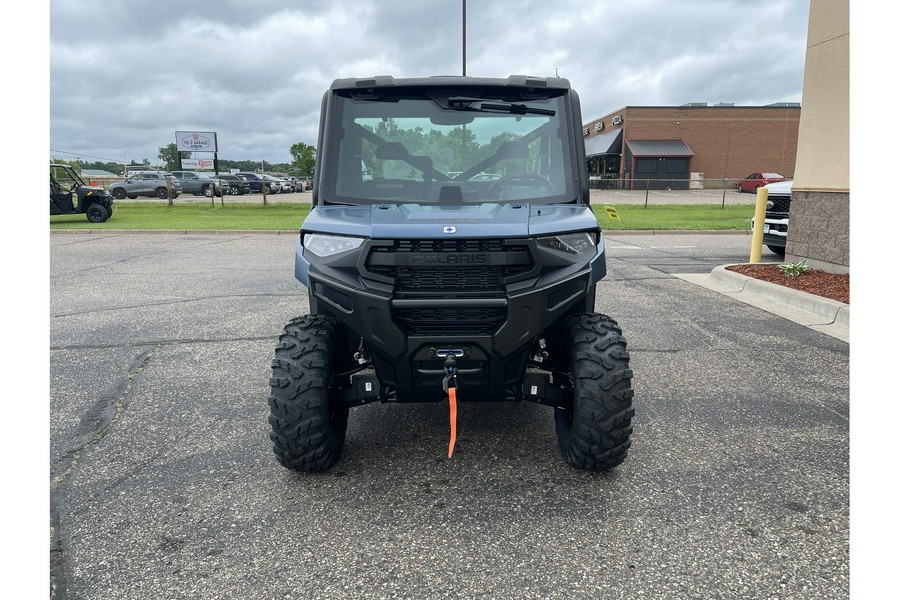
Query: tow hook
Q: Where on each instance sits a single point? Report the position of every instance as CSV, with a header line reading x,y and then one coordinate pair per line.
x,y
541,353
361,356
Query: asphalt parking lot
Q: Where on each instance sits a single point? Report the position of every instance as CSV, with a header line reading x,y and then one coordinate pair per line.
x,y
163,483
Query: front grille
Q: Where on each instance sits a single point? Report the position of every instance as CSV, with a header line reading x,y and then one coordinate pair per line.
x,y
447,278
444,246
780,204
450,321
429,273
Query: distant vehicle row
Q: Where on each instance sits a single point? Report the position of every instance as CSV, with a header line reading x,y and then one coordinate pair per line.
x,y
159,183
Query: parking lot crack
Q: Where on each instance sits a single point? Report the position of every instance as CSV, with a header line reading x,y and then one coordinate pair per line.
x,y
107,413
100,420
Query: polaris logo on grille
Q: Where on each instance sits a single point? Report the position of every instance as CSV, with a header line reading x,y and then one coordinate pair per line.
x,y
450,229
448,259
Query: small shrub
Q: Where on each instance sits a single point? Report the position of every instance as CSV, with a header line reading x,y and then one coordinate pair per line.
x,y
794,269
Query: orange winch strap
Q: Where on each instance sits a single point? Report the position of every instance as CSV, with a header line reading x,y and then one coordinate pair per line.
x,y
452,393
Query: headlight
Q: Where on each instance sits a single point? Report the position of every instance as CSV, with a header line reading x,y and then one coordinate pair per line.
x,y
326,245
573,243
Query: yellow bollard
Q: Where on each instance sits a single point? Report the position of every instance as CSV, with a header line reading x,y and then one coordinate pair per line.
x,y
759,218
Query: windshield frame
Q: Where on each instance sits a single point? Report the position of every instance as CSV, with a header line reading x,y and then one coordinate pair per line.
x,y
530,124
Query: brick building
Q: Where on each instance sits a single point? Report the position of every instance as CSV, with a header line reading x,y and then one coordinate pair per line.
x,y
694,144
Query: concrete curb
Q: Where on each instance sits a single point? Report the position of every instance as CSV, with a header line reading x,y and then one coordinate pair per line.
x,y
615,232
823,307
822,314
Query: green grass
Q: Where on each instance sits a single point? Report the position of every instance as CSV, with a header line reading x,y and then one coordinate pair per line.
x,y
672,217
245,216
193,216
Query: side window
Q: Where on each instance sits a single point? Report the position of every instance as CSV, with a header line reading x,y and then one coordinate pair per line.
x,y
646,166
676,165
62,178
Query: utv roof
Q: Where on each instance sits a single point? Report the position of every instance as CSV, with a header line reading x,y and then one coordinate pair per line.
x,y
383,81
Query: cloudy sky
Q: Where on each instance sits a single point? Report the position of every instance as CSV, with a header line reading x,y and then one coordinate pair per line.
x,y
125,74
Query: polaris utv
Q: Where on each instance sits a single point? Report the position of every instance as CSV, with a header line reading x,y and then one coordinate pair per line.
x,y
451,254
69,195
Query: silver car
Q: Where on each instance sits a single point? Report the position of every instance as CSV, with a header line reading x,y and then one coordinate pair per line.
x,y
287,185
274,183
153,184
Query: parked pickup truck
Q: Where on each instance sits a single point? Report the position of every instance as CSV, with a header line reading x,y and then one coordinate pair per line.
x,y
778,208
199,184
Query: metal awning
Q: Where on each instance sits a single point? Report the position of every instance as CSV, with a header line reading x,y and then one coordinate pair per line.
x,y
604,143
659,148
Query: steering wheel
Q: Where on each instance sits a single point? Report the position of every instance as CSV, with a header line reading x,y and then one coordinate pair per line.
x,y
523,179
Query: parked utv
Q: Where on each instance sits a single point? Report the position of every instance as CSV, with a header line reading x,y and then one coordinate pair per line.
x,y
69,195
430,281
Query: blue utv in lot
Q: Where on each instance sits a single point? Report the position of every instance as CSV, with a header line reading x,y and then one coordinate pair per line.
x,y
429,282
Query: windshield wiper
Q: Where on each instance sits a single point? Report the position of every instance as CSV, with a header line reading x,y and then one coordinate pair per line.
x,y
478,104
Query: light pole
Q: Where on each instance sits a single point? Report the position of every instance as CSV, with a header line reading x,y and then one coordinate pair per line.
x,y
464,37
124,163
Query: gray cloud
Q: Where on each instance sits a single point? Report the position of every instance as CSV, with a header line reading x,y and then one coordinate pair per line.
x,y
125,75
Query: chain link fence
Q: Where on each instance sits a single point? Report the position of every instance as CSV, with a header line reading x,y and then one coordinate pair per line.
x,y
616,190
603,191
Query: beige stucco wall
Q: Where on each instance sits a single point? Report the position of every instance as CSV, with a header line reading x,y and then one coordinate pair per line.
x,y
820,200
823,149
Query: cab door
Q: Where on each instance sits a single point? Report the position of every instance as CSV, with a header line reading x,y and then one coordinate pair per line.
x,y
61,191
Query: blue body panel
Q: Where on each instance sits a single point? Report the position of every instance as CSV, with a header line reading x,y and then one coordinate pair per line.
x,y
422,222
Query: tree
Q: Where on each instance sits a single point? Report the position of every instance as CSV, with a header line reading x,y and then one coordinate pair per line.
x,y
169,155
304,158
65,161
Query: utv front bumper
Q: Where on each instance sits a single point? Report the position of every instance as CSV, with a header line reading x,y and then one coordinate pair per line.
x,y
487,300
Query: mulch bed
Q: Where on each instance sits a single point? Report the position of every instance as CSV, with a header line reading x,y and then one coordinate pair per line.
x,y
821,283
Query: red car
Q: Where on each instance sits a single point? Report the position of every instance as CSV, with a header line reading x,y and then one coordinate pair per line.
x,y
757,180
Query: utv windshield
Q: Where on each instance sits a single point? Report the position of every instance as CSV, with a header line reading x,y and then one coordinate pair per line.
x,y
465,146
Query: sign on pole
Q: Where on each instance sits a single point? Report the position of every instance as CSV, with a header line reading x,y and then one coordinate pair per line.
x,y
197,164
196,141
